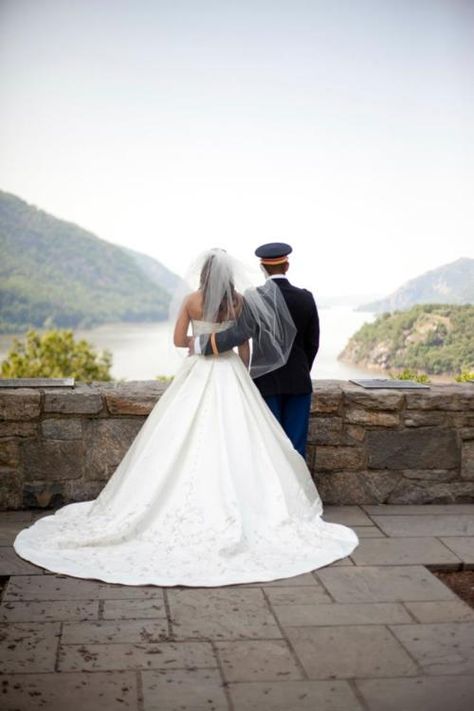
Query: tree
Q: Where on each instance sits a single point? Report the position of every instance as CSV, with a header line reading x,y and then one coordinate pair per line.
x,y
55,354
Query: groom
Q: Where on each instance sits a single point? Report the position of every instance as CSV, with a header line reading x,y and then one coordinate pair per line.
x,y
286,390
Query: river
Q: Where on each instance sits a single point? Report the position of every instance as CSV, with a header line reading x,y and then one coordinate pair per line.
x,y
143,351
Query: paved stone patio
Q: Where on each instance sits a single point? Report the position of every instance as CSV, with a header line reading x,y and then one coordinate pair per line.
x,y
373,632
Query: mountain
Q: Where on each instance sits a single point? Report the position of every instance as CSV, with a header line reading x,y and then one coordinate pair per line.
x,y
450,284
435,339
55,273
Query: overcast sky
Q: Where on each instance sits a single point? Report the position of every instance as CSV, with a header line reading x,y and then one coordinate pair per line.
x,y
344,127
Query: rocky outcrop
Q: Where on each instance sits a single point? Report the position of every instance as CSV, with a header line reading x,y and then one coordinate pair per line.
x,y
382,446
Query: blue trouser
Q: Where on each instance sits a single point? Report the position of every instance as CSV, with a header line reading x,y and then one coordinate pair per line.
x,y
292,412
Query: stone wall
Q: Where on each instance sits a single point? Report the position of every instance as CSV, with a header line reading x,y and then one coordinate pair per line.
x,y
382,446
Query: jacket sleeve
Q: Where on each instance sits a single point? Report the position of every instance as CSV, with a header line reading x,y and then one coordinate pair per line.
x,y
240,332
311,337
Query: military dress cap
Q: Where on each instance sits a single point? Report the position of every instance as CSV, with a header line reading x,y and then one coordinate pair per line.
x,y
273,252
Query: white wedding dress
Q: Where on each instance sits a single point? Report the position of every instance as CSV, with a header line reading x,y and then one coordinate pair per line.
x,y
211,492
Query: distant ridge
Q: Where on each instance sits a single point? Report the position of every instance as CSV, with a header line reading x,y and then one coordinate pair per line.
x,y
54,273
449,284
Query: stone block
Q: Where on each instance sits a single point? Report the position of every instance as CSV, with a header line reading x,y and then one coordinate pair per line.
x,y
20,404
295,695
107,441
326,400
371,418
257,660
46,611
427,448
325,430
61,428
183,690
162,655
133,398
374,613
428,492
11,486
43,494
467,460
396,583
18,429
9,453
28,646
418,693
404,551
233,613
373,399
303,580
426,418
80,490
428,525
74,692
52,459
82,400
379,484
330,458
110,631
343,488
427,475
441,611
439,649
441,397
346,652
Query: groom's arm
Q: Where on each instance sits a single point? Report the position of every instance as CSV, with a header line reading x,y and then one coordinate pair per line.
x,y
241,331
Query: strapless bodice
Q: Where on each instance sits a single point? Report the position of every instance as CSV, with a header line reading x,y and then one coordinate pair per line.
x,y
202,327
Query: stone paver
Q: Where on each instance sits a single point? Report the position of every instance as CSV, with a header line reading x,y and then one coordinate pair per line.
x,y
440,648
463,547
350,651
9,529
183,690
418,694
133,609
221,614
57,587
417,509
108,632
12,564
348,515
109,657
28,647
434,525
47,611
404,551
376,631
297,596
374,613
384,584
258,660
441,611
294,695
71,691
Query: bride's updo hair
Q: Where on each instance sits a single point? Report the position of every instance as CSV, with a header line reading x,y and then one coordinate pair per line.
x,y
220,299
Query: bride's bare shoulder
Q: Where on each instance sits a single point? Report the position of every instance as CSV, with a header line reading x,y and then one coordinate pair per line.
x,y
194,304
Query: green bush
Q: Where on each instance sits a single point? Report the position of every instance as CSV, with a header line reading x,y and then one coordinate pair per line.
x,y
55,354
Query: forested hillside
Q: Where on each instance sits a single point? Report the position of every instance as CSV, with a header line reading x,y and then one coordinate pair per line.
x,y
432,338
55,273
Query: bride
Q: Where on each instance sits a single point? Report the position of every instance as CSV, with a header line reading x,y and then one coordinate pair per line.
x,y
211,491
